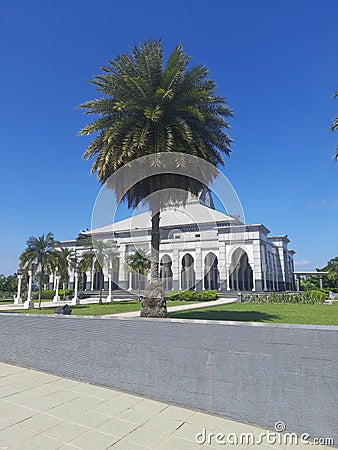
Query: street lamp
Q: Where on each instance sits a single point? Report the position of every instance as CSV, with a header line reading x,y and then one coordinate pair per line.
x,y
29,303
56,297
18,299
75,299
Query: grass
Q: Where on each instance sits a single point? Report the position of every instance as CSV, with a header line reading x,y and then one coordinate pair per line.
x,y
275,313
95,309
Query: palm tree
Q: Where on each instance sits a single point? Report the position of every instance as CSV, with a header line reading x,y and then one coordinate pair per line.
x,y
148,107
39,250
139,263
65,259
334,126
97,255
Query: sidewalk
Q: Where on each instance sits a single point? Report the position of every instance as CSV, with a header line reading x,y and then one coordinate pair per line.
x,y
47,412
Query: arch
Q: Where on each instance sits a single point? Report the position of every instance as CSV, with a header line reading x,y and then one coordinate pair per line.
x,y
241,274
97,281
211,272
188,276
166,274
84,281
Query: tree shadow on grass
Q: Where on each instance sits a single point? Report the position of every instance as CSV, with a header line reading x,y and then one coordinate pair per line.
x,y
240,316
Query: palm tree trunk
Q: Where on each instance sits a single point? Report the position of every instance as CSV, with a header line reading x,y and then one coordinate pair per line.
x,y
101,283
40,294
138,276
40,284
155,246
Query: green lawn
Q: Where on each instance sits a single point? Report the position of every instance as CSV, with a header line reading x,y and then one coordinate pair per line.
x,y
278,313
96,309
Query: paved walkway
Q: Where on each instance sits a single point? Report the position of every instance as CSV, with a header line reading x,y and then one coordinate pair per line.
x,y
47,412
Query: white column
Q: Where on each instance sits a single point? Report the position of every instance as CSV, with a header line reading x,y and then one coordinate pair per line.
x,y
75,299
253,277
130,281
298,283
18,299
56,297
265,288
109,283
321,281
28,303
92,273
228,278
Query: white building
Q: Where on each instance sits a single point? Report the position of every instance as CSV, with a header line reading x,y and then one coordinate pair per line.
x,y
200,248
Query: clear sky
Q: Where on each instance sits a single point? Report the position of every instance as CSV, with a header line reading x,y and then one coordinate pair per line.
x,y
275,62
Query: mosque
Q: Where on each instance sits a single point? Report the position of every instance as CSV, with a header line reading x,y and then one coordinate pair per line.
x,y
200,248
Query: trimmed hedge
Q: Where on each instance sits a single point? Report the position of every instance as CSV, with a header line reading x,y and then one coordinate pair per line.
x,y
312,297
193,296
49,293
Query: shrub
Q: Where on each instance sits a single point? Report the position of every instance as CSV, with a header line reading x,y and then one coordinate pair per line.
x,y
7,295
49,294
193,296
311,297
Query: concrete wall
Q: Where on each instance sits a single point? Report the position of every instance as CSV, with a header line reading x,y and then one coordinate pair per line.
x,y
261,373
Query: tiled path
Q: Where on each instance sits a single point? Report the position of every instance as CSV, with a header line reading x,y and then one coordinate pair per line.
x,y
43,411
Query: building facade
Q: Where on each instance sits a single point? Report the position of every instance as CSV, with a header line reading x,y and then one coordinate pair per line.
x,y
200,248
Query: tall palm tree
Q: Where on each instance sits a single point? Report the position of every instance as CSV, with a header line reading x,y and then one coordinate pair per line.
x,y
334,126
138,262
150,106
39,250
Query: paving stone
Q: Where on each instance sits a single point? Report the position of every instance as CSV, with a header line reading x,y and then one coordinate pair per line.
x,y
94,440
109,408
145,436
164,424
41,442
40,422
14,413
66,431
176,412
117,428
14,435
135,415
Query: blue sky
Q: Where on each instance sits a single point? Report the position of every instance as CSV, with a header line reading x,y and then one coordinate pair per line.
x,y
275,62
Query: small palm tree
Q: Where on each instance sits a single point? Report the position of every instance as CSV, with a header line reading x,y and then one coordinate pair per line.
x,y
96,256
65,259
39,250
138,262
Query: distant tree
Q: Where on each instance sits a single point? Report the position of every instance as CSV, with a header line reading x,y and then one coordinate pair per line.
x,y
138,262
332,269
39,250
8,283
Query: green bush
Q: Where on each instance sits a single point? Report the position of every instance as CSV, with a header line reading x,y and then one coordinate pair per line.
x,y
7,295
49,294
192,296
313,296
